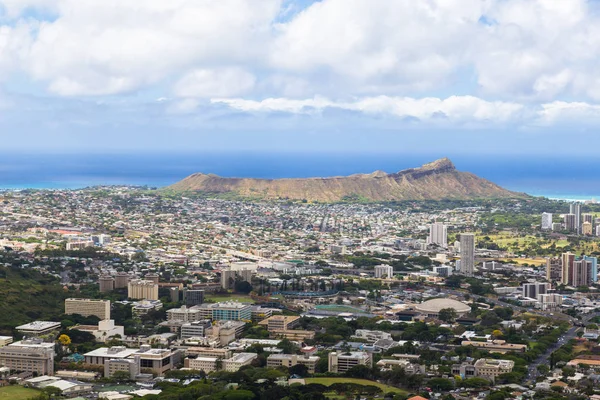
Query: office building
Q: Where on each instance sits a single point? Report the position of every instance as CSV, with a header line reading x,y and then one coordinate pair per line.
x,y
106,284
28,356
228,310
126,365
553,269
593,273
575,209
5,340
340,362
586,228
38,328
142,290
236,362
195,328
289,360
384,271
567,264
206,364
467,254
193,297
570,222
557,226
443,270
88,307
438,234
486,368
550,301
546,221
280,322
532,290
184,314
491,265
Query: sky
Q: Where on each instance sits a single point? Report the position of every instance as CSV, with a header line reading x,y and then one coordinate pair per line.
x,y
401,76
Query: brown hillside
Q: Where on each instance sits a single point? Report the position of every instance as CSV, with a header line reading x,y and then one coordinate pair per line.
x,y
434,181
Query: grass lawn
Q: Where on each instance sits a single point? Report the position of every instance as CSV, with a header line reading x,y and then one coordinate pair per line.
x,y
234,297
365,382
17,393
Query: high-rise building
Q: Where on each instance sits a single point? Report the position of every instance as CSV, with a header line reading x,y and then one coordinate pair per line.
x,y
567,262
88,307
593,273
384,271
557,226
142,290
438,234
121,280
581,271
553,270
546,221
587,218
570,222
152,277
532,290
229,276
575,209
106,284
174,292
586,228
597,230
29,356
467,253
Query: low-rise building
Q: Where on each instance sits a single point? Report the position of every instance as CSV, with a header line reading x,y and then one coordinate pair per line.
x,y
236,362
195,328
340,362
289,360
496,346
490,369
88,307
206,364
38,328
28,356
280,322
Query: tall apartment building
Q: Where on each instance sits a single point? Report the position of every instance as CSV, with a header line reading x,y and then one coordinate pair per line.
x,y
546,221
438,234
88,307
29,356
142,290
106,284
587,218
570,222
340,362
553,269
532,290
467,253
581,273
152,277
229,276
593,273
121,280
567,262
384,271
575,209
586,228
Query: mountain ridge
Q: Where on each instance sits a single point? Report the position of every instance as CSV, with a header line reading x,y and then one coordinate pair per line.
x,y
436,180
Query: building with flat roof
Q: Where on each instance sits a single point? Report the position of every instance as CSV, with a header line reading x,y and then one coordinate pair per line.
x,y
384,271
38,328
490,369
206,364
28,356
127,365
228,310
496,346
88,307
289,360
193,297
105,330
195,328
185,314
5,340
340,362
238,360
280,322
106,283
142,290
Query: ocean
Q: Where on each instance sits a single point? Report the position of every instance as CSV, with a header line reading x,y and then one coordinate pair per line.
x,y
561,178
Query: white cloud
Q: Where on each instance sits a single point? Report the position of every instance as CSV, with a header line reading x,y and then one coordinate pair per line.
x,y
455,108
223,82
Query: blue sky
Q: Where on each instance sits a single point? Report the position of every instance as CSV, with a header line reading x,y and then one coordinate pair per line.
x,y
396,76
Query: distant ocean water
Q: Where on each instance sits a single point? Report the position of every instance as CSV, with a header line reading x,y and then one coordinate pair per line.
x,y
561,178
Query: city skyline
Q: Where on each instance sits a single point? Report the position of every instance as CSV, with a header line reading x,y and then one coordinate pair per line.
x,y
107,76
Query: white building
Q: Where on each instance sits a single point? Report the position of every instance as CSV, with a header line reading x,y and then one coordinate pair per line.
x,y
340,362
236,362
382,271
438,234
546,221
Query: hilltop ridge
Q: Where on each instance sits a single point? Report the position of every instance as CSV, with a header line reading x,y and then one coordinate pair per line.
x,y
432,181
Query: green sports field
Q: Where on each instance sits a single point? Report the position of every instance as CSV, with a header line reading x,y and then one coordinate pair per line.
x,y
17,393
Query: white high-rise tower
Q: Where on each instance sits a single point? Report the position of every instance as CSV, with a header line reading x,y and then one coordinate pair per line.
x,y
438,234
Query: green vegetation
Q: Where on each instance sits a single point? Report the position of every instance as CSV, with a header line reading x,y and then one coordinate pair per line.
x,y
225,297
364,382
17,393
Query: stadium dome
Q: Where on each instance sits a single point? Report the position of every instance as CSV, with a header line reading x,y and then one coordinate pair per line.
x,y
432,308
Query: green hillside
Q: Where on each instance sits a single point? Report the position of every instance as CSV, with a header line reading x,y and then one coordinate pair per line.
x,y
27,295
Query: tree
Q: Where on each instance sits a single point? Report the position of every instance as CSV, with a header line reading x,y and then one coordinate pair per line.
x,y
65,340
242,287
299,369
447,315
287,346
441,384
